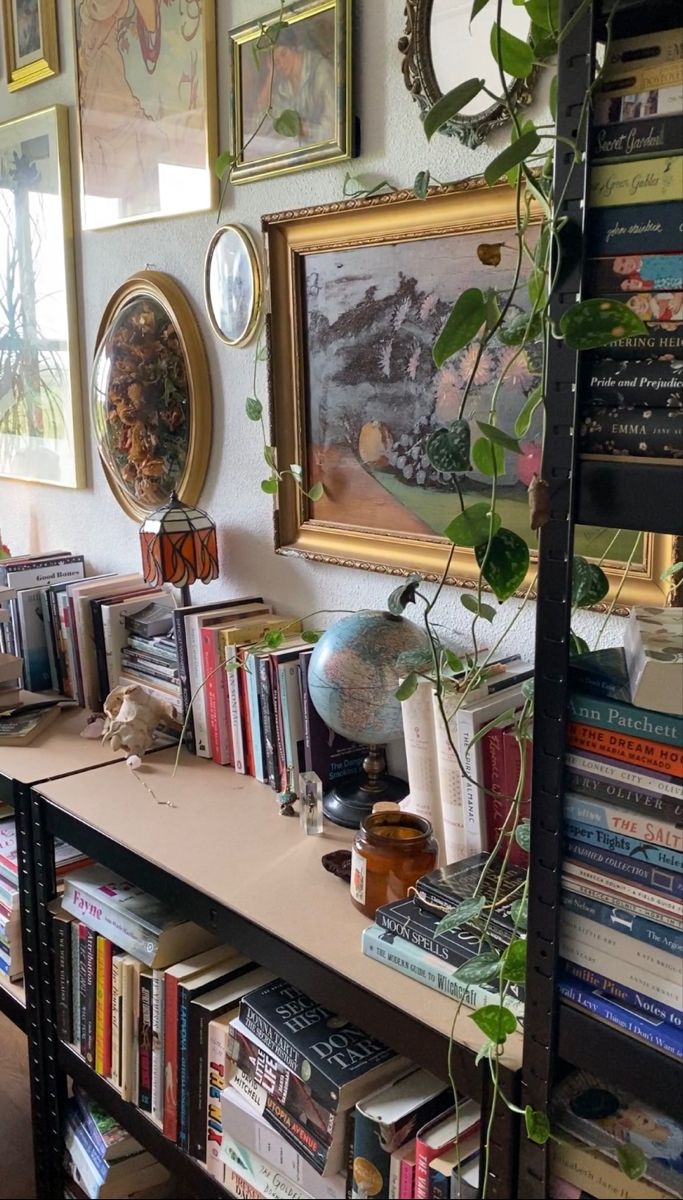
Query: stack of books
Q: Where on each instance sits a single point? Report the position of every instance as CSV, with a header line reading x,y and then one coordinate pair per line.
x,y
149,656
103,1160
594,1123
622,922
465,817
632,406
404,937
11,959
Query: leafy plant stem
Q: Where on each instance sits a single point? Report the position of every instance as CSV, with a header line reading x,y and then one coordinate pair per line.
x,y
615,597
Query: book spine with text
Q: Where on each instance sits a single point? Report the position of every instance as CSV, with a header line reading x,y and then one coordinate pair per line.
x,y
87,982
217,712
184,1068
626,995
217,1051
145,1042
652,182
643,779
625,718
171,991
636,139
255,717
450,787
638,752
301,1137
417,964
158,1047
473,798
593,958
606,887
116,997
665,883
619,843
630,951
419,732
633,433
62,937
512,763
76,984
656,1033
268,721
649,807
652,229
103,1007
236,723
622,920
584,1171
184,676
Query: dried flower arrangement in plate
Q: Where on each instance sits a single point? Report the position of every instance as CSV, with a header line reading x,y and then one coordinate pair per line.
x,y
151,395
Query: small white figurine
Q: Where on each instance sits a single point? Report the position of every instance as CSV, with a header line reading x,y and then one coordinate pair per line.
x,y
132,715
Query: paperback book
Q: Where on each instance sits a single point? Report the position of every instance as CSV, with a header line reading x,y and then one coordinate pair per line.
x,y
652,1030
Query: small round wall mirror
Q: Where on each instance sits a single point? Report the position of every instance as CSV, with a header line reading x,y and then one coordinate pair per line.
x,y
440,49
232,284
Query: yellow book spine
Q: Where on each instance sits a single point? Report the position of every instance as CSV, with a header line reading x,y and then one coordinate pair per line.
x,y
598,1175
99,1006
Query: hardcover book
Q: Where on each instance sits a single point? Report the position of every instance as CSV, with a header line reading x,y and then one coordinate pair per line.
x,y
388,1119
641,137
330,755
652,1030
440,1135
636,751
648,182
653,644
415,924
443,889
652,229
653,795
632,432
634,273
585,1167
609,1117
337,1059
622,920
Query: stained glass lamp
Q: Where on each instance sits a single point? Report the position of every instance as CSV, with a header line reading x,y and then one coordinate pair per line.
x,y
179,546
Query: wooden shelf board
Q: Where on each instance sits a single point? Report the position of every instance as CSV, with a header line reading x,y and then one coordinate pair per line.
x,y
221,833
13,1001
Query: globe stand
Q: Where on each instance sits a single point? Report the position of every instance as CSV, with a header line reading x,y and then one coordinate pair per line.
x,y
352,799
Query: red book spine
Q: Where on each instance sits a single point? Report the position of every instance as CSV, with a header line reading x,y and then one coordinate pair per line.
x,y
512,765
423,1156
406,1184
639,752
170,1057
249,758
493,780
210,664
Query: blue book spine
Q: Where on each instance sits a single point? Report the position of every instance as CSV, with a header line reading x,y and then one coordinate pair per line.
x,y
633,229
625,995
665,883
81,1134
414,962
608,815
619,843
646,1029
625,718
660,937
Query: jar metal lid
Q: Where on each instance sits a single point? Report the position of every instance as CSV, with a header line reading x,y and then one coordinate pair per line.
x,y
396,826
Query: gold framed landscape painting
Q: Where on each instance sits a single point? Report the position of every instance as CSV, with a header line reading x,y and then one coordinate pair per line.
x,y
31,52
41,432
147,108
291,90
359,292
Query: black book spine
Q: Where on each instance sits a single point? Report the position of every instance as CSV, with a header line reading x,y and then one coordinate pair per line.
x,y
638,384
145,1043
184,676
637,139
295,1060
198,1055
103,687
632,432
450,949
657,342
653,804
279,726
62,944
634,229
89,997
268,721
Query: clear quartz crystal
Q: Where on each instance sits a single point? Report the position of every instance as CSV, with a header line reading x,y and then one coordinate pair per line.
x,y
311,802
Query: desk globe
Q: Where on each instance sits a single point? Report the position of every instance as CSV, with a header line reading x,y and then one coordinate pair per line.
x,y
353,676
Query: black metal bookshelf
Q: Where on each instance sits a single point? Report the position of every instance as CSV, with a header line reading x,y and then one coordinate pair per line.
x,y
637,496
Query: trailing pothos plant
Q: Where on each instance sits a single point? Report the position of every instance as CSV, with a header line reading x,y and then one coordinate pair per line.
x,y
478,317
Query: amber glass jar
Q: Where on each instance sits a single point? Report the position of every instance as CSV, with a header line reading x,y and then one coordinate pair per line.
x,y
391,851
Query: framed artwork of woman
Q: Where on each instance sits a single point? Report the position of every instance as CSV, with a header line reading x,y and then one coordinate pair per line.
x,y
147,108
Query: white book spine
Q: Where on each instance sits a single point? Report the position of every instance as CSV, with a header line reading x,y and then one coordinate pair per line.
x,y
670,911
116,965
110,923
158,1047
630,950
473,799
195,673
235,711
252,1169
292,715
419,731
625,775
450,789
394,1177
217,1049
623,820
625,973
624,902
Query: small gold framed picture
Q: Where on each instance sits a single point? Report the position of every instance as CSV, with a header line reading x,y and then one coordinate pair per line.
x,y
31,52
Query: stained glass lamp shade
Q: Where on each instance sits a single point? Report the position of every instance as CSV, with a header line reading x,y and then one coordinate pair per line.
x,y
179,546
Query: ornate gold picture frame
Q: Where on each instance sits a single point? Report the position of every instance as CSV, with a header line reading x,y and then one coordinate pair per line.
x,y
358,293
31,51
151,395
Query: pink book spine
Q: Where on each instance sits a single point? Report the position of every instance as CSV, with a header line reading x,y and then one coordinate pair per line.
x,y
218,739
406,1180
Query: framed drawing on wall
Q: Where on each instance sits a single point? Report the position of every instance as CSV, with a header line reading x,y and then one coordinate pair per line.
x,y
291,90
359,292
31,52
147,108
40,405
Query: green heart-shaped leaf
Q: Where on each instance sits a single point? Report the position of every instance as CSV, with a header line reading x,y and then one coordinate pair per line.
x,y
449,106
464,320
514,154
316,492
288,123
421,185
488,458
486,611
514,962
403,595
632,1160
593,323
477,7
523,835
473,525
590,585
478,970
577,645
449,449
407,687
415,660
526,413
310,636
537,1126
253,408
454,663
519,911
223,163
499,437
523,329
495,1021
545,13
465,911
515,57
269,486
506,564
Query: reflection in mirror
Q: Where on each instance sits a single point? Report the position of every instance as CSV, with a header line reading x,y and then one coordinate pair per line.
x,y
232,282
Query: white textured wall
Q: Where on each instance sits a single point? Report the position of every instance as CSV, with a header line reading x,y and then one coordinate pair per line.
x,y
393,146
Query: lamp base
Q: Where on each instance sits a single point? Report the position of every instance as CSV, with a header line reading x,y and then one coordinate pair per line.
x,y
352,799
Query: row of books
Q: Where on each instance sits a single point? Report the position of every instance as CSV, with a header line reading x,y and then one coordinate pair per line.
x,y
466,818
66,857
595,1123
103,1161
621,937
631,391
